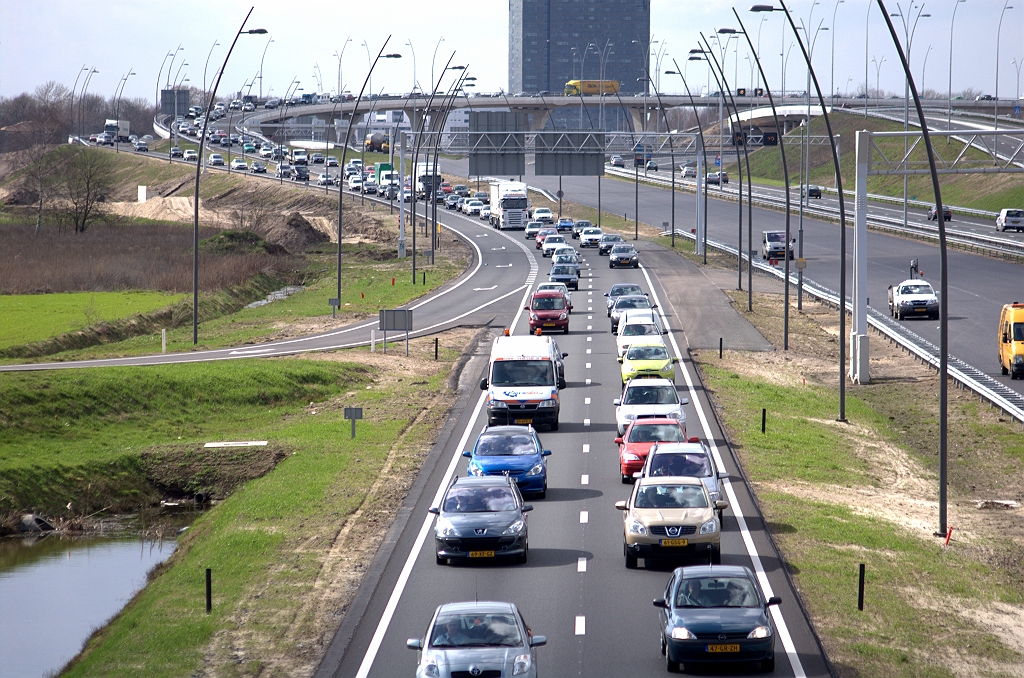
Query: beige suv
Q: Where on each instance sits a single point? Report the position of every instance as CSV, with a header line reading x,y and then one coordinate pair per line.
x,y
671,517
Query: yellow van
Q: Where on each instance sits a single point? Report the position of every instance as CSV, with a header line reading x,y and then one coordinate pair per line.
x,y
1011,340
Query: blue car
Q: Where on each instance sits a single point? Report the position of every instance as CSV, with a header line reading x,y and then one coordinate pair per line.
x,y
512,450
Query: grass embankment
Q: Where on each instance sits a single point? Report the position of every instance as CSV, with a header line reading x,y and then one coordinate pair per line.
x,y
837,495
978,191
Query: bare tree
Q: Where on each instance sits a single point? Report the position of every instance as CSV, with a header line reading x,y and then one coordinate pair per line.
x,y
43,133
86,179
258,207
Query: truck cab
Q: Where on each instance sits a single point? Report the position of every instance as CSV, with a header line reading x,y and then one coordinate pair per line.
x,y
1011,340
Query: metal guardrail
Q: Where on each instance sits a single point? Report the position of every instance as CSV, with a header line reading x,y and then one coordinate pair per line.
x,y
968,376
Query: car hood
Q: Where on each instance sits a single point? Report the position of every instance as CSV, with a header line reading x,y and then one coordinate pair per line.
x,y
494,522
706,620
667,516
918,297
509,462
549,315
646,364
462,659
639,449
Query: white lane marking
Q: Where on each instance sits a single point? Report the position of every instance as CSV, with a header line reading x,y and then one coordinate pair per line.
x,y
734,507
581,625
590,285
584,479
590,292
589,317
586,401
485,289
495,249
586,422
588,382
503,266
581,565
584,517
588,366
589,338
588,350
482,235
586,448
254,351
590,308
421,537
589,327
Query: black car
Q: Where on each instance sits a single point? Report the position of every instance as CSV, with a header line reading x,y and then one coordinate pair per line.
x,y
623,255
389,192
578,226
947,214
608,241
176,152
461,190
300,173
814,192
441,197
481,517
715,614
482,196
451,201
258,167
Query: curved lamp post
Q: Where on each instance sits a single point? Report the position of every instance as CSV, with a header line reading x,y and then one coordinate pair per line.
x,y
999,32
195,201
702,159
207,64
949,105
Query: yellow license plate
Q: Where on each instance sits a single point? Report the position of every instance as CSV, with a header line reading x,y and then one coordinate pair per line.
x,y
549,324
675,542
524,421
920,310
724,648
483,554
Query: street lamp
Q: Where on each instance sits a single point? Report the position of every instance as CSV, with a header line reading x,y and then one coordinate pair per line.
x,y
413,52
340,55
878,70
923,67
949,105
832,61
701,241
71,110
195,195
999,31
174,55
1017,64
160,75
269,40
81,101
432,60
117,106
207,64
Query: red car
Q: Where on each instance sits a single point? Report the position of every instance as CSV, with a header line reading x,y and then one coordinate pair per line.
x,y
446,187
549,310
640,435
542,235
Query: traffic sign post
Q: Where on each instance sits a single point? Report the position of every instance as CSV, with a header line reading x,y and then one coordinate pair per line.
x,y
395,320
353,413
718,159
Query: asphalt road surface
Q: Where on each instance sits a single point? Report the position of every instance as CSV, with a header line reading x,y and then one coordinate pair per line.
x,y
575,589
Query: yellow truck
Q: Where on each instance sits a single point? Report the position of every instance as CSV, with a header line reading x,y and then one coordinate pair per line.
x,y
574,87
1011,340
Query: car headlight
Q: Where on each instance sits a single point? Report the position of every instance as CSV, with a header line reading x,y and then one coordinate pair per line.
x,y
547,403
499,405
629,456
533,316
629,417
563,316
537,469
636,527
431,671
667,368
522,664
516,527
1018,358
475,470
709,527
760,632
444,528
682,633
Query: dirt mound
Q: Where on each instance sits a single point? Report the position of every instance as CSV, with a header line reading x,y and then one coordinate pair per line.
x,y
294,233
240,242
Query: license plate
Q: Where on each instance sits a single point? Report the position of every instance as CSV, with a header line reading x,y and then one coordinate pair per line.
x,y
524,421
675,542
724,648
549,324
490,554
920,310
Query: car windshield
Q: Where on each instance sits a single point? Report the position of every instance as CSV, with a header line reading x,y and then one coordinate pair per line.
x,y
533,224
639,330
622,249
651,395
476,630
620,290
632,302
563,270
500,444
558,287
583,224
776,237
542,210
647,353
671,497
522,373
656,433
612,238
917,289
591,231
564,259
693,464
478,500
547,232
717,592
1018,331
549,303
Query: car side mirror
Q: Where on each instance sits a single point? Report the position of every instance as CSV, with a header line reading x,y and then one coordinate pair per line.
x,y
621,505
660,602
527,508
467,453
723,475
570,307
526,308
774,600
483,384
606,294
617,401
619,359
546,453
566,355
434,510
653,306
721,505
684,401
537,641
618,441
675,360
664,331
561,383
414,644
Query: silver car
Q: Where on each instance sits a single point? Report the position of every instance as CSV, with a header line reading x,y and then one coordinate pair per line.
x,y
619,290
692,459
628,302
480,639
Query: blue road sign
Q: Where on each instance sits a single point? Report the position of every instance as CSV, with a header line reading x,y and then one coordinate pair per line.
x,y
718,160
1016,110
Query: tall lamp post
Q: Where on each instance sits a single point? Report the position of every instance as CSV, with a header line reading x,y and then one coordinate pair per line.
x,y
159,77
999,32
195,200
909,28
842,204
207,64
878,70
117,106
71,110
339,55
432,61
81,101
265,48
413,52
832,61
701,242
949,105
174,55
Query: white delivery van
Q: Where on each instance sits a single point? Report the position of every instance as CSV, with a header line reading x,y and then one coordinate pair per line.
x,y
523,380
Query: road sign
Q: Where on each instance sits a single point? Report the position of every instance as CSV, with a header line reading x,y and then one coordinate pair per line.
x,y
801,264
395,320
353,413
560,194
1016,110
718,159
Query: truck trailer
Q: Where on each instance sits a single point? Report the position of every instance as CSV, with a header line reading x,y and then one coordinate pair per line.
x,y
118,129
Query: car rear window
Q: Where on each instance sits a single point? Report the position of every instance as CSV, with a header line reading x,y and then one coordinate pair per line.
x,y
671,497
1015,214
692,464
642,394
656,433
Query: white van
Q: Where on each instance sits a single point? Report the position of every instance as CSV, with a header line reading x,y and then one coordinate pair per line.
x,y
523,380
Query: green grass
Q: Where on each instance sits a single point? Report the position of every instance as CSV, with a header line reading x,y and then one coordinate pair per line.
x,y
34,317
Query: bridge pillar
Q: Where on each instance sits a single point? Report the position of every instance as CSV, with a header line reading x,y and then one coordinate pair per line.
x,y
539,120
636,116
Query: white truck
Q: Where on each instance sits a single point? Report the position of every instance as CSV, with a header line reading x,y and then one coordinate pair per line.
x,y
508,205
118,129
426,181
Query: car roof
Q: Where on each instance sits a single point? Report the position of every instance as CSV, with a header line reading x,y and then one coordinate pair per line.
x,y
912,281
679,448
669,480
481,606
480,481
548,293
648,381
694,571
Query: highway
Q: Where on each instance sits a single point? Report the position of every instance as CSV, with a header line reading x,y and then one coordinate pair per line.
x,y
575,589
979,285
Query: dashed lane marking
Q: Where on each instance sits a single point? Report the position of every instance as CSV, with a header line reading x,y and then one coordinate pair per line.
x,y
584,479
581,625
586,401
584,517
581,565
586,422
586,448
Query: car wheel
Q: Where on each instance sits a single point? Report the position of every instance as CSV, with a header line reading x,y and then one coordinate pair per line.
x,y
440,560
671,666
636,265
554,427
611,265
525,557
768,665
630,558
1003,369
566,329
716,556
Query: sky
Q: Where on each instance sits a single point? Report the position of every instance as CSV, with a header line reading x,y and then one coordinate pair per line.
x,y
52,40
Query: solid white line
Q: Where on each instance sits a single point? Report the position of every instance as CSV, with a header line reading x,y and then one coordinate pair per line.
x,y
586,401
734,507
584,517
581,565
586,448
584,479
581,625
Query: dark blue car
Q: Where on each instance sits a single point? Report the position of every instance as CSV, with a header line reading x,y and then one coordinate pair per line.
x,y
715,614
512,450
